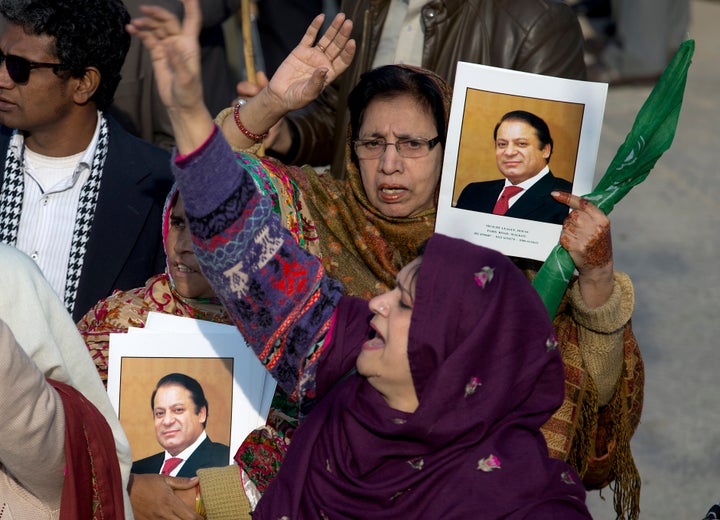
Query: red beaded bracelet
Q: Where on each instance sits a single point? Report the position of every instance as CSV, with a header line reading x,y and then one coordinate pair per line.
x,y
247,133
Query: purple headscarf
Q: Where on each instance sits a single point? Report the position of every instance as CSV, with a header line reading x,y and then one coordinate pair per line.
x,y
487,373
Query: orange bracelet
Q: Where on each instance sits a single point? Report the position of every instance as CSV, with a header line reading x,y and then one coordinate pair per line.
x,y
247,133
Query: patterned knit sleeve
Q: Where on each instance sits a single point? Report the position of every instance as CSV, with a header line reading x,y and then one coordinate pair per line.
x,y
276,292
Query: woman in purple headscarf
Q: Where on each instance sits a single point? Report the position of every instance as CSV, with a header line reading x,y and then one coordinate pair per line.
x,y
425,402
421,409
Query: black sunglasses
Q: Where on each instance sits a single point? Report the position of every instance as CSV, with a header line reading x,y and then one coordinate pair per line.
x,y
19,68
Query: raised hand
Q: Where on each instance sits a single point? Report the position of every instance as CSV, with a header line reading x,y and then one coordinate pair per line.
x,y
300,78
174,50
175,54
309,68
586,236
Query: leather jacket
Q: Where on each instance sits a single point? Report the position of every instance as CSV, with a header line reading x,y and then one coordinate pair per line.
x,y
539,36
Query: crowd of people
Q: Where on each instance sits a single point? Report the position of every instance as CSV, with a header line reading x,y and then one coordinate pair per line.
x,y
418,375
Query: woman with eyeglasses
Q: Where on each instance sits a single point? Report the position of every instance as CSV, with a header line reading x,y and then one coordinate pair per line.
x,y
369,224
367,227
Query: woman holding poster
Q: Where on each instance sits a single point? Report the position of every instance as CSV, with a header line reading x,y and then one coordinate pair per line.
x,y
394,132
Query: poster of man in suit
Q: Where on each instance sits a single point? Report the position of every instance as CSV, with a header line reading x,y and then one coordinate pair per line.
x,y
523,147
513,139
180,413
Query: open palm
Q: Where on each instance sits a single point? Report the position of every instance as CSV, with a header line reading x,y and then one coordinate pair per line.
x,y
175,52
309,68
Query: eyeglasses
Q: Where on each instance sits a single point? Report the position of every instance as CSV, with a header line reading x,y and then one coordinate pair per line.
x,y
411,148
19,68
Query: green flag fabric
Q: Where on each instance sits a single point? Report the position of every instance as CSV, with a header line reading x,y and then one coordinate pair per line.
x,y
651,135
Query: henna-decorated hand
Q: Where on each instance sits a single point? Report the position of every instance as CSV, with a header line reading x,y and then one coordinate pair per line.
x,y
586,236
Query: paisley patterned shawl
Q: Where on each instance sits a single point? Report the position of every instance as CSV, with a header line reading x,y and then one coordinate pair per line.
x,y
359,246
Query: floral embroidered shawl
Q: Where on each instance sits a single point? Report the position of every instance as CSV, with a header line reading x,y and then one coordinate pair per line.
x,y
125,309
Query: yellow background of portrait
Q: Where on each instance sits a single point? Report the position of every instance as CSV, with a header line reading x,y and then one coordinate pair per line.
x,y
138,378
483,109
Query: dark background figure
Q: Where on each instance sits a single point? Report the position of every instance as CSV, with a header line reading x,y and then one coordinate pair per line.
x,y
282,23
180,411
523,146
632,41
536,36
78,194
137,106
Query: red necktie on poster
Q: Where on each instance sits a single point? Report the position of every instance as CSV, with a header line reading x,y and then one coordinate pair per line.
x,y
170,464
501,206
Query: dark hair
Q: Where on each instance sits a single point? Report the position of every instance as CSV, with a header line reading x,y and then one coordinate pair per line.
x,y
87,33
541,128
391,81
191,385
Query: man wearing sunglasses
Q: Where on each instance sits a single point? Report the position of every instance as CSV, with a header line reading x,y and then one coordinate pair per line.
x,y
78,193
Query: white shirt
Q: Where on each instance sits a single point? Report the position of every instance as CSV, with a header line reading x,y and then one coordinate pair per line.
x,y
184,454
525,185
50,205
403,35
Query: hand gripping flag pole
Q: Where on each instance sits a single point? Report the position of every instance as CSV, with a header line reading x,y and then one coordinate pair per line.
x,y
651,135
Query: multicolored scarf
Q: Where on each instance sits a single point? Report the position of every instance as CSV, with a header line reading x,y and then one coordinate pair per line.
x,y
359,245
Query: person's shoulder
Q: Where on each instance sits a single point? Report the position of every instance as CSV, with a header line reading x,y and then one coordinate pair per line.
x,y
531,15
5,138
483,185
212,453
131,306
561,184
5,133
217,446
149,464
137,146
10,254
17,266
135,162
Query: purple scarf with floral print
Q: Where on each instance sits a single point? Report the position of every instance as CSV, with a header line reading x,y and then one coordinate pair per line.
x,y
487,373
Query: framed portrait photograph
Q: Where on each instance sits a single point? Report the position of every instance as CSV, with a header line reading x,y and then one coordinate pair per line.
x,y
186,388
513,138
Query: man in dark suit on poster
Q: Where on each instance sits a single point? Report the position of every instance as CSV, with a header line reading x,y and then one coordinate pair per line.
x,y
523,147
180,411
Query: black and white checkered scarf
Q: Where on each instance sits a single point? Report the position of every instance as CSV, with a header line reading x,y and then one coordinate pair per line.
x,y
11,200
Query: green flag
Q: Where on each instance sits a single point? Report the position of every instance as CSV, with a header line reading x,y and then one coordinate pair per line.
x,y
652,133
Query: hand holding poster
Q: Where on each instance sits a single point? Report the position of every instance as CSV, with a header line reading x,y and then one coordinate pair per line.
x,y
651,135
527,133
